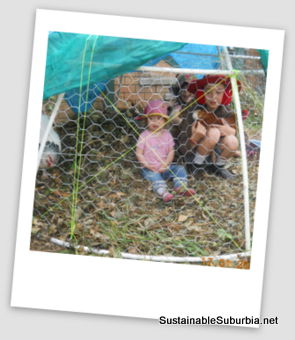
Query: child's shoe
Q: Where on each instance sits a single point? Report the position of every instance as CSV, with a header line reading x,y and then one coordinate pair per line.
x,y
167,197
188,192
224,173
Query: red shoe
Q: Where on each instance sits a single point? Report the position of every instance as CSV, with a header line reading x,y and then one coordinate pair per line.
x,y
167,197
187,192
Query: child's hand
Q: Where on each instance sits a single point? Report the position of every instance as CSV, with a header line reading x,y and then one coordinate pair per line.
x,y
152,168
198,132
163,168
225,130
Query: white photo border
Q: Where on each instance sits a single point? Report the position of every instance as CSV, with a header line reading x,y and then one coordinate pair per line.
x,y
140,288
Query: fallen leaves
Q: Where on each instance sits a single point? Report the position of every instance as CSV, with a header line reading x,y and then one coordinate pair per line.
x,y
182,218
118,211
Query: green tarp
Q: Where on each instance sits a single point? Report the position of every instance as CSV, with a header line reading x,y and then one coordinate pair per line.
x,y
76,60
264,59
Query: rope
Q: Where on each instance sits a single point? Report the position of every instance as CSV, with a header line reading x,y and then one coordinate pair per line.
x,y
78,153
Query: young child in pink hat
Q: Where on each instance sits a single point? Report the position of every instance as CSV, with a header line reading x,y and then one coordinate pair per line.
x,y
155,153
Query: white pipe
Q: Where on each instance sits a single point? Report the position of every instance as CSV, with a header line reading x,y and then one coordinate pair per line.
x,y
243,152
160,258
236,56
242,56
193,71
47,130
252,72
183,70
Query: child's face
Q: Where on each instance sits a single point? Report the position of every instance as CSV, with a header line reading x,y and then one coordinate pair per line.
x,y
185,95
155,122
213,95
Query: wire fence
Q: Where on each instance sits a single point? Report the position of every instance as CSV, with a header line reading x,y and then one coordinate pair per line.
x,y
95,196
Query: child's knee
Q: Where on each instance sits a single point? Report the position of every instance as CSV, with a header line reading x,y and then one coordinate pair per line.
x,y
213,135
231,142
151,176
179,171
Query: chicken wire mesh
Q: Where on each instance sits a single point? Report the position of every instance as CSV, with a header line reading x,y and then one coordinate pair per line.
x,y
95,196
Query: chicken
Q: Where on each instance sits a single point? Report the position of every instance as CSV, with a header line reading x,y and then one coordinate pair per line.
x,y
52,148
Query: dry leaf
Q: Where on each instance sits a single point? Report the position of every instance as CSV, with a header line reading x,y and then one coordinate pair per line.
x,y
132,250
52,229
182,218
35,229
61,193
120,194
101,204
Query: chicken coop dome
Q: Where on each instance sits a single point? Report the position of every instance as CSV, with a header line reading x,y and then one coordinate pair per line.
x,y
94,88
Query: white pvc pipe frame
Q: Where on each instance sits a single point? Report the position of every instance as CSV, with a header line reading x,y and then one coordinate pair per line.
x,y
244,169
157,258
243,152
195,71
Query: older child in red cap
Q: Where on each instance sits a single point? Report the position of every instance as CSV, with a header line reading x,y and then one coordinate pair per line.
x,y
210,126
155,152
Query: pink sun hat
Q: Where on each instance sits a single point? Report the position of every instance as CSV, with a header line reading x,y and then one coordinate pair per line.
x,y
154,108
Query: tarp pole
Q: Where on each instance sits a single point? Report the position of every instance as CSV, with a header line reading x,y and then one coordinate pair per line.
x,y
243,151
194,71
47,130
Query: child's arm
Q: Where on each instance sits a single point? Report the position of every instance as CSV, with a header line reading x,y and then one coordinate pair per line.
x,y
225,128
168,161
142,161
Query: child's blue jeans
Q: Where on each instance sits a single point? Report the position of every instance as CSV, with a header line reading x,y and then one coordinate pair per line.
x,y
176,172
